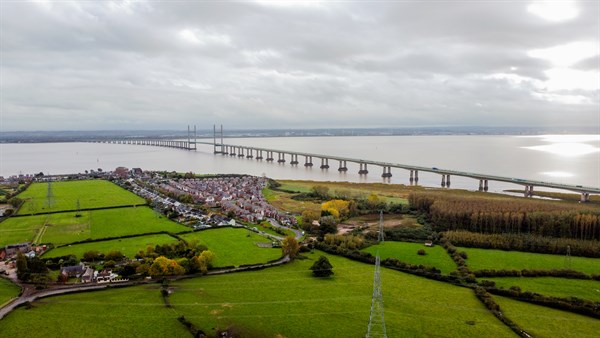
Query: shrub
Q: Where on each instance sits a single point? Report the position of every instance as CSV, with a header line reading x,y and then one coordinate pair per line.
x,y
421,252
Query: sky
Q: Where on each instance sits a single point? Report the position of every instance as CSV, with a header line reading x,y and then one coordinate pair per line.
x,y
113,65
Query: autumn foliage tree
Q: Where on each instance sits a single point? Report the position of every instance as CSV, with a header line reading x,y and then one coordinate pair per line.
x,y
162,266
290,247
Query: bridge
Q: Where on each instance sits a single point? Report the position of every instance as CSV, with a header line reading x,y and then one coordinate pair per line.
x,y
309,159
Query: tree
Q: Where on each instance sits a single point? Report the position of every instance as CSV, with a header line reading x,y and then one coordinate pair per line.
x,y
322,267
328,225
22,271
91,255
320,191
202,262
116,256
162,266
290,247
15,202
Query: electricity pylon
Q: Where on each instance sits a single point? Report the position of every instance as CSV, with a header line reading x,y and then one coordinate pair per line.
x,y
568,258
376,319
50,195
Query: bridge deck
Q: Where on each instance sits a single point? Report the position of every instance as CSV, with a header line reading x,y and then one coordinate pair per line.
x,y
525,182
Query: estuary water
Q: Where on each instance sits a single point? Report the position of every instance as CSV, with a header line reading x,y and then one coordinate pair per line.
x,y
569,159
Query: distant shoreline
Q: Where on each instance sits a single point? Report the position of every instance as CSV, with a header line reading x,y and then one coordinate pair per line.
x,y
21,137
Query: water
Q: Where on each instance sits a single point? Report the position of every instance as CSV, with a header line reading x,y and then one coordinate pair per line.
x,y
569,159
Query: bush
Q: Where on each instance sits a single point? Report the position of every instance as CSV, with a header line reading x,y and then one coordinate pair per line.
x,y
421,252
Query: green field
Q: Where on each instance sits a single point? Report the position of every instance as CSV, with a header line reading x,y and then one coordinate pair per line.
x,y
120,312
234,246
550,286
91,194
8,290
20,229
541,321
480,259
287,301
407,252
128,246
66,228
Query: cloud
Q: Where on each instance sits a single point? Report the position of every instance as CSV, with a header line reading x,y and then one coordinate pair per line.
x,y
148,65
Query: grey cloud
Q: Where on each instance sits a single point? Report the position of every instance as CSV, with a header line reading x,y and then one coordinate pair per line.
x,y
92,66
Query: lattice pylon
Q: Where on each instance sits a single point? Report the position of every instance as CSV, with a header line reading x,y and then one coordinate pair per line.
x,y
377,318
50,195
380,236
568,258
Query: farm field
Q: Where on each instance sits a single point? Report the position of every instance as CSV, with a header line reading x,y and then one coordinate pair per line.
x,y
551,286
234,246
479,259
66,228
407,252
119,312
20,229
91,194
8,290
541,321
128,246
288,301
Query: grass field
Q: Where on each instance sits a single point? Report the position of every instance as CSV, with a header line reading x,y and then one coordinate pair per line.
x,y
8,290
541,321
497,259
91,194
128,246
20,229
407,252
66,228
550,286
397,193
234,246
121,312
284,202
287,301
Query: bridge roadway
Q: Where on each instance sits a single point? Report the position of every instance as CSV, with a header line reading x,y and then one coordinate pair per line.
x,y
446,173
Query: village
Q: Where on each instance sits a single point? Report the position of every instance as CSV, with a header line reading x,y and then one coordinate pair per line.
x,y
197,202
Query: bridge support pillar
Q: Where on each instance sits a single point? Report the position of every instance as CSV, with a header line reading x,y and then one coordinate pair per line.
x,y
585,197
448,181
528,191
308,161
294,159
280,157
387,172
269,156
363,169
324,163
342,166
232,151
241,152
443,181
485,185
249,153
480,185
259,155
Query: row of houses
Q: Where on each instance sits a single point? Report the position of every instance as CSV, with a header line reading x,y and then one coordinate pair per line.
x,y
86,274
240,195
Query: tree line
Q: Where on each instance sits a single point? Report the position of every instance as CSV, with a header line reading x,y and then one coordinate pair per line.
x,y
497,215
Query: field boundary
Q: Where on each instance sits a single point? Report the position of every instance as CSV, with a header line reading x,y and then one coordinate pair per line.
x,y
82,209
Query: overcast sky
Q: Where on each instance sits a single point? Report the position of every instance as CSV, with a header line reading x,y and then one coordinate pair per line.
x,y
93,65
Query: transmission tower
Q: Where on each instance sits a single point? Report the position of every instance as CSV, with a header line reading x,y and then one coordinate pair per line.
x,y
568,258
380,232
78,212
50,195
377,320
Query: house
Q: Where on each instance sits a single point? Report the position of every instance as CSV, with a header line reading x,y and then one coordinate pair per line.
x,y
137,171
88,275
74,270
12,249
